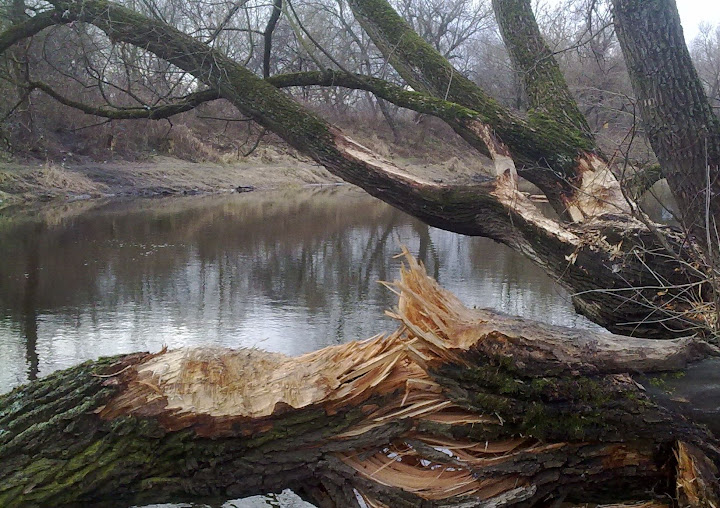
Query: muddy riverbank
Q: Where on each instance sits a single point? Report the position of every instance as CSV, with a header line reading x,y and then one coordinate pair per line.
x,y
269,168
156,176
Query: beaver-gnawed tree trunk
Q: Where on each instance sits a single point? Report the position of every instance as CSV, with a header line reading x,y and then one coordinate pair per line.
x,y
552,145
458,407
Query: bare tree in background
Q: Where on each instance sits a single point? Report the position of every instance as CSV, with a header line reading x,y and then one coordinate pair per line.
x,y
705,50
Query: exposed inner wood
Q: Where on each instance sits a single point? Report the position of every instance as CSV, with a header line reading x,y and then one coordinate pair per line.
x,y
457,407
599,191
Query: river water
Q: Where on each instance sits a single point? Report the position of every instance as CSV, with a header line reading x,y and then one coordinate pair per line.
x,y
286,271
289,271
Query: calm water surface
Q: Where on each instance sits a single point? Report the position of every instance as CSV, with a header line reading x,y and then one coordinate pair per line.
x,y
283,271
286,271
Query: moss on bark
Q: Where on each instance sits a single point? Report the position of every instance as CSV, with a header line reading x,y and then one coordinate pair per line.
x,y
456,406
681,125
604,278
551,102
541,141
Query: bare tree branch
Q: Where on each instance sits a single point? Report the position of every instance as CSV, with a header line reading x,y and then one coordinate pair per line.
x,y
32,26
182,105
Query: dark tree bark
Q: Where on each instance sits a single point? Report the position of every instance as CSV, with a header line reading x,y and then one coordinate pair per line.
x,y
458,407
680,123
21,31
19,70
268,34
528,414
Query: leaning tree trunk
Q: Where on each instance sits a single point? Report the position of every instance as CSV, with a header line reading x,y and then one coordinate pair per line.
x,y
552,147
682,128
458,407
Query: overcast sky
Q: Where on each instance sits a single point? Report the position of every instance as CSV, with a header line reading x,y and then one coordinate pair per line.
x,y
693,12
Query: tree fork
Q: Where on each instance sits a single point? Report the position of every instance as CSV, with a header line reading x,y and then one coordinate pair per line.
x,y
561,160
457,407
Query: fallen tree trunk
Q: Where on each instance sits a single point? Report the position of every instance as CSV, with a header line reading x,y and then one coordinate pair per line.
x,y
457,407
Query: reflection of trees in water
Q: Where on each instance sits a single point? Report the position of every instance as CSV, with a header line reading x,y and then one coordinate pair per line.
x,y
427,253
29,314
215,265
202,261
118,253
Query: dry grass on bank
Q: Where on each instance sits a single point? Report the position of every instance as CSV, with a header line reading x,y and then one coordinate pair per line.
x,y
195,155
159,175
20,182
